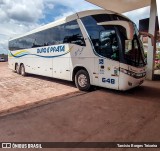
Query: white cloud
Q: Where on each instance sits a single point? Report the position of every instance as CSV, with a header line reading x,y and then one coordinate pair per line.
x,y
63,15
20,16
75,5
12,29
50,5
3,16
22,11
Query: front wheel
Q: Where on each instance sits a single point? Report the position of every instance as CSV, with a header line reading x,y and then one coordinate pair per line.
x,y
82,80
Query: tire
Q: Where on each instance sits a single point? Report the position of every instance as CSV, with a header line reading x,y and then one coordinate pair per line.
x,y
17,69
22,70
82,80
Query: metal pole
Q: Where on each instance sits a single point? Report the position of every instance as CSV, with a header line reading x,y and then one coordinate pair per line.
x,y
151,49
158,10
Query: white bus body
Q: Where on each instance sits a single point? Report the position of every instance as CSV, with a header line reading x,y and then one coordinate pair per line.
x,y
88,47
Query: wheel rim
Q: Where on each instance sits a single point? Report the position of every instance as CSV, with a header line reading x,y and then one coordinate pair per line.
x,y
82,80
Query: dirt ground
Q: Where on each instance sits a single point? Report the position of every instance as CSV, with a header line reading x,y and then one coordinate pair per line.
x,y
20,92
99,116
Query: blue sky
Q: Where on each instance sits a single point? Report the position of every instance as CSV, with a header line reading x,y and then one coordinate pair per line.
x,y
20,16
50,14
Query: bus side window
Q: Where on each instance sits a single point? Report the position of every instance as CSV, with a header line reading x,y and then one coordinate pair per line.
x,y
72,34
108,44
52,36
104,38
11,45
66,33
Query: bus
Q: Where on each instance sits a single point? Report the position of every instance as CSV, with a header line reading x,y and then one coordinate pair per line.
x,y
92,48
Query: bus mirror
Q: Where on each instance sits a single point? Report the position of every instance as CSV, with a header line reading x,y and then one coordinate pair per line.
x,y
147,35
127,25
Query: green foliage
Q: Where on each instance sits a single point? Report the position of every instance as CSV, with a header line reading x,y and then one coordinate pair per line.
x,y
145,54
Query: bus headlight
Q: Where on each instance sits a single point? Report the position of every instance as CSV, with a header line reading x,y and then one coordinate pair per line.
x,y
133,74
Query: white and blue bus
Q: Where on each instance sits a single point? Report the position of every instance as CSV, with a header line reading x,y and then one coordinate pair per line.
x,y
95,47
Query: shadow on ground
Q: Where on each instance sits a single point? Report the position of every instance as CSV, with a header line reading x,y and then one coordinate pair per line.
x,y
145,92
59,81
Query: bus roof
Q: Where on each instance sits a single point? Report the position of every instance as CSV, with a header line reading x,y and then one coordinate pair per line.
x,y
67,19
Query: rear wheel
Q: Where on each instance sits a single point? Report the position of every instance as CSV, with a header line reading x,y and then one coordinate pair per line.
x,y
22,70
17,69
82,80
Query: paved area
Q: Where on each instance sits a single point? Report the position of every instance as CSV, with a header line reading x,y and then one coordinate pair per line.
x,y
102,115
17,92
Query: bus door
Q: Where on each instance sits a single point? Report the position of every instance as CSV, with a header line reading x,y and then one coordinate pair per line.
x,y
107,60
108,73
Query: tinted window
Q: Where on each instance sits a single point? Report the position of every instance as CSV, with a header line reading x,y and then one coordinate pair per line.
x,y
38,39
104,38
108,46
52,36
93,29
71,33
11,45
29,41
66,33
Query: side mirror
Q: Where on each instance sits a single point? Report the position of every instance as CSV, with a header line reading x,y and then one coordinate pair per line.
x,y
148,35
127,25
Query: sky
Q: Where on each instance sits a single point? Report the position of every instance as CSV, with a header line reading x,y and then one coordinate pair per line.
x,y
20,16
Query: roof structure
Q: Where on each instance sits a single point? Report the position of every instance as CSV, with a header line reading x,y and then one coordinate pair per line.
x,y
121,6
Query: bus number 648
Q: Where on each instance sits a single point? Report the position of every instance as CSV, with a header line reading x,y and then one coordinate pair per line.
x,y
109,80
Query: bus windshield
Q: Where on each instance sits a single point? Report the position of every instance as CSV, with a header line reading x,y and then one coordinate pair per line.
x,y
111,41
134,52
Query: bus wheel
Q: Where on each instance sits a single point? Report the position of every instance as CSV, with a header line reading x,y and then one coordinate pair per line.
x,y
82,80
22,70
17,69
